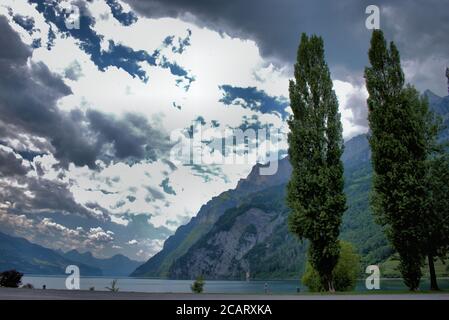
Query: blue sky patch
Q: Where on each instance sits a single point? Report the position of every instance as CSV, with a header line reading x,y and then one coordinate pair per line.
x,y
51,38
181,44
165,184
168,41
26,23
177,70
118,55
125,18
256,100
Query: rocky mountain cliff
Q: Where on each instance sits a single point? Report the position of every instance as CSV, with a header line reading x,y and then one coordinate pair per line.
x,y
233,237
186,235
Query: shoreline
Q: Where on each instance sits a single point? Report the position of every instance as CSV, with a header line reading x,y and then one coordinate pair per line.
x,y
57,294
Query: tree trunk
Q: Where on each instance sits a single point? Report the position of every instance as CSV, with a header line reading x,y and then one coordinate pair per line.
x,y
433,275
329,282
331,287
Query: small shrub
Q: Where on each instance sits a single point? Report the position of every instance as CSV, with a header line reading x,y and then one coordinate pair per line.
x,y
345,272
198,285
11,279
27,286
113,287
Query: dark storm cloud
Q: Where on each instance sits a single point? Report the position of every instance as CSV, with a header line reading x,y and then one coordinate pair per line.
x,y
421,28
10,165
132,135
276,25
12,48
36,195
22,193
28,96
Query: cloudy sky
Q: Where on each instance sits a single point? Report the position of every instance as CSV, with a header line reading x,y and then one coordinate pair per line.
x,y
96,112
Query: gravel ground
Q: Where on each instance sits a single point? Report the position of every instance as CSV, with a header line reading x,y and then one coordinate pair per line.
x,y
39,294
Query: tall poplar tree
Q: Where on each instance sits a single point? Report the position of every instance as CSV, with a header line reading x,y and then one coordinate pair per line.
x,y
399,144
315,191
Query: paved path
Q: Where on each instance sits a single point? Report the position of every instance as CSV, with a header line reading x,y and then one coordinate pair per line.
x,y
38,294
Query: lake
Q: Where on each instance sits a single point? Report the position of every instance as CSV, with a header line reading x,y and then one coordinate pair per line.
x,y
211,286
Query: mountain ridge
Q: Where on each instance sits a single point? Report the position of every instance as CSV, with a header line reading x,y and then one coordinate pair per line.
x,y
117,265
30,258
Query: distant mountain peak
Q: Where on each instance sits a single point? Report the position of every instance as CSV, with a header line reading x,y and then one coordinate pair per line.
x,y
116,265
255,179
439,105
429,92
30,258
432,97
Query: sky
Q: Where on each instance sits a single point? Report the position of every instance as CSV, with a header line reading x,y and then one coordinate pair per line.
x,y
100,99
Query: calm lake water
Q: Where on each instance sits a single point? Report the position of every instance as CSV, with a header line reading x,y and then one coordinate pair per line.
x,y
211,286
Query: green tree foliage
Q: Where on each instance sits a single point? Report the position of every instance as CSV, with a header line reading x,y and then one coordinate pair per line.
x,y
198,285
399,141
27,286
315,191
436,235
11,279
345,272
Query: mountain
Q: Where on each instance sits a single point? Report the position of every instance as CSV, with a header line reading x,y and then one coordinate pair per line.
x,y
186,235
24,256
117,265
440,105
245,230
29,258
242,240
